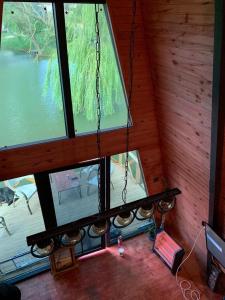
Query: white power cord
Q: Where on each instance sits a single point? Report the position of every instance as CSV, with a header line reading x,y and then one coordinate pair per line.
x,y
185,285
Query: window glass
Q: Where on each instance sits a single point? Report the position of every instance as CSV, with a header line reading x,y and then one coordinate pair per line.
x,y
81,38
135,190
75,193
20,216
136,186
30,110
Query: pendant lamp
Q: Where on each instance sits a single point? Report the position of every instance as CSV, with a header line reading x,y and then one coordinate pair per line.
x,y
98,229
73,237
126,218
123,219
166,205
145,212
43,248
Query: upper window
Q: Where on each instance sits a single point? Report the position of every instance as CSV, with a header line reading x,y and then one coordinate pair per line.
x,y
31,100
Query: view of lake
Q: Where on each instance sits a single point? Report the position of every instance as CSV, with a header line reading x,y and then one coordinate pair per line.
x,y
29,112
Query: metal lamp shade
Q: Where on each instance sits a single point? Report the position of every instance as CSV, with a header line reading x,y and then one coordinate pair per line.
x,y
71,238
146,211
99,228
124,219
166,205
43,248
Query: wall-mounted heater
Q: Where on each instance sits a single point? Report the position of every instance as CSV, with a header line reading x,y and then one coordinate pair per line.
x,y
168,250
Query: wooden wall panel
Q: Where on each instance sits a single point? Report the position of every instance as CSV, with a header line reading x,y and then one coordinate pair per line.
x,y
144,133
180,44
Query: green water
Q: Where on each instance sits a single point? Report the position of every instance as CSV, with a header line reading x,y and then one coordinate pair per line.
x,y
27,113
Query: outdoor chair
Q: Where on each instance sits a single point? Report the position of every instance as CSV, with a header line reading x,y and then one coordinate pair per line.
x,y
92,179
23,186
3,225
7,195
64,181
93,176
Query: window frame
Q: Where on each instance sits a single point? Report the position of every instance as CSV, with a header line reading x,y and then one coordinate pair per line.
x,y
63,63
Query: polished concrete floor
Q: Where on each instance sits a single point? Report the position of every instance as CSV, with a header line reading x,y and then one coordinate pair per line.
x,y
107,276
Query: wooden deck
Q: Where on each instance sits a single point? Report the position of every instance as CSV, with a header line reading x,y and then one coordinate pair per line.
x,y
21,224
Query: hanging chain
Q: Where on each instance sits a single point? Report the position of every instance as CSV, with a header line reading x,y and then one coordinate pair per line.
x,y
130,93
98,97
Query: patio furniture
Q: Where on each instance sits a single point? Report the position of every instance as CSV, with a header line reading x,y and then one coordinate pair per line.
x,y
66,180
3,223
92,179
7,195
23,186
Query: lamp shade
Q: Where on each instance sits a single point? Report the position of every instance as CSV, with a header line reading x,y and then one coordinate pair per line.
x,y
145,212
124,219
43,248
166,205
99,228
72,238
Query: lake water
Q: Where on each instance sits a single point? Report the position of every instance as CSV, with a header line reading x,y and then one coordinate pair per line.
x,y
28,114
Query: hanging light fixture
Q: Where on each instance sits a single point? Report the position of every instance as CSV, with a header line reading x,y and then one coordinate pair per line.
x,y
43,248
124,219
166,205
72,237
100,227
145,212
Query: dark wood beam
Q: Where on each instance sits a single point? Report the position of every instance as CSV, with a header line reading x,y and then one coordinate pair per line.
x,y
218,113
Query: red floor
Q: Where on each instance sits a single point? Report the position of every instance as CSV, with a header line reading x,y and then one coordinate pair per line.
x,y
106,276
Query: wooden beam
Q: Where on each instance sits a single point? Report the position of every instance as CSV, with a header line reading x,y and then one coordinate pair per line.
x,y
218,113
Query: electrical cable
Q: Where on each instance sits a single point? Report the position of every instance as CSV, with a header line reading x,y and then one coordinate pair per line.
x,y
185,285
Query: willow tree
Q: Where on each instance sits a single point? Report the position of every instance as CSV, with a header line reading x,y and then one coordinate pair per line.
x,y
81,38
29,28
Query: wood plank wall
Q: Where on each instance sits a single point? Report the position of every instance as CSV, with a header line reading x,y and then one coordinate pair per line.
x,y
144,133
180,44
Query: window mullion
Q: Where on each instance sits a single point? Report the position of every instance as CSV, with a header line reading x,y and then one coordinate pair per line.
x,y
59,20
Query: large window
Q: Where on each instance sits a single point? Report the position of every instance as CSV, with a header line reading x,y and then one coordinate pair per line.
x,y
29,109
33,204
80,30
41,93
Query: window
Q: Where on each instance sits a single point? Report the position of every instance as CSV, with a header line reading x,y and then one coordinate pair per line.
x,y
29,109
81,36
20,216
136,190
36,103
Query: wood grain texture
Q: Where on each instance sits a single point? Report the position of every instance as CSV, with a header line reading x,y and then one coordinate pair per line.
x,y
180,44
144,133
105,275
